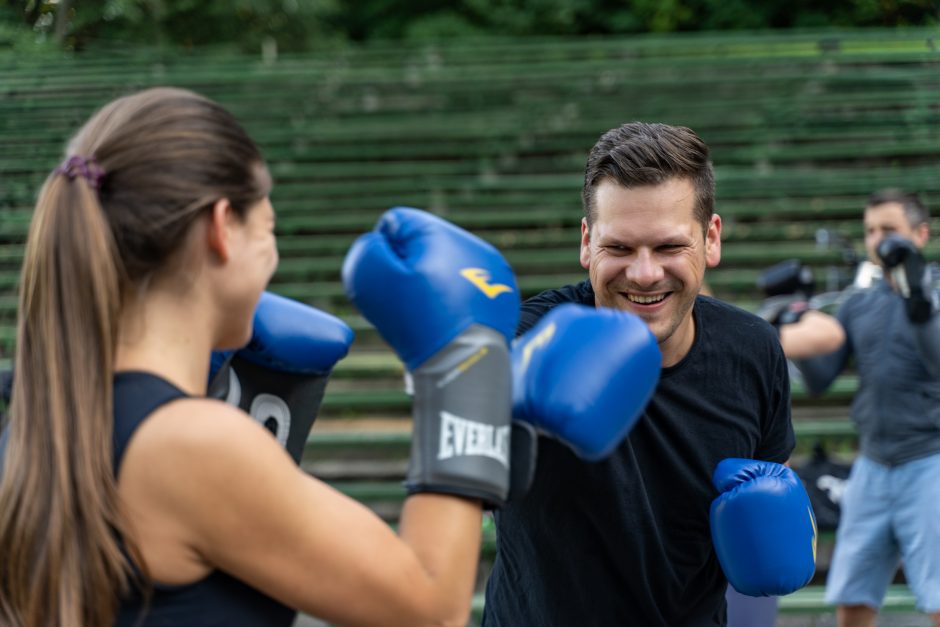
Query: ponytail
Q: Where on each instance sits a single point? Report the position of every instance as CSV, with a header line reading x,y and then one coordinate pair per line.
x,y
61,563
98,235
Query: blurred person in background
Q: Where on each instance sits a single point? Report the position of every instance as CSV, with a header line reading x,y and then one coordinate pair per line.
x,y
890,510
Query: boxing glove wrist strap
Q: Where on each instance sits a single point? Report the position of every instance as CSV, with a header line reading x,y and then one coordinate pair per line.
x,y
914,286
461,410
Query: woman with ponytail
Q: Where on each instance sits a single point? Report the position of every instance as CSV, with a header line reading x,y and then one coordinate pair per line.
x,y
129,498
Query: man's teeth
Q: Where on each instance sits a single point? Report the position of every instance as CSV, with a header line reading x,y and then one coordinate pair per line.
x,y
645,300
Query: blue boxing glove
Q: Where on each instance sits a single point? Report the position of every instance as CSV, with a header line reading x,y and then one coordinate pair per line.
x,y
763,527
447,303
280,377
584,375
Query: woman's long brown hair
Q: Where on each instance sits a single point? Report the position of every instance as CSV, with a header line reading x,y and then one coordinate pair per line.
x,y
66,553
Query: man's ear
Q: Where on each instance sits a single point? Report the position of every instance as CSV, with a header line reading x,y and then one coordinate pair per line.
x,y
585,244
921,234
713,241
218,233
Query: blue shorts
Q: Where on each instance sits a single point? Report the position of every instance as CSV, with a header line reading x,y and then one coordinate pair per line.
x,y
890,515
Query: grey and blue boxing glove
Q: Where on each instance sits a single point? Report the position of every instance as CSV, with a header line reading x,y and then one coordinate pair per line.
x,y
280,376
448,304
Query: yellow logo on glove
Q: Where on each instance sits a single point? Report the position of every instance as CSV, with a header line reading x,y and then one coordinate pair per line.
x,y
812,519
481,279
542,338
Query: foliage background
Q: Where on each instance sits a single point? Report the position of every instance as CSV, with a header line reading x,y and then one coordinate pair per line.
x,y
301,25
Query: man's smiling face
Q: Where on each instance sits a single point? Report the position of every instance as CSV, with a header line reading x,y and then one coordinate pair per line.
x,y
646,253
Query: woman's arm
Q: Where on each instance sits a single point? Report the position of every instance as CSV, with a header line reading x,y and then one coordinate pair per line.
x,y
208,484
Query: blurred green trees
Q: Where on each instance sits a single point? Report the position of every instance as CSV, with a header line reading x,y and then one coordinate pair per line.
x,y
295,25
244,24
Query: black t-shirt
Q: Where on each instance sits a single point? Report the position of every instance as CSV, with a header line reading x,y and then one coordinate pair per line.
x,y
626,541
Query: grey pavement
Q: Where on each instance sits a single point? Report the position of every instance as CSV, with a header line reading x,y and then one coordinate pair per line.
x,y
890,619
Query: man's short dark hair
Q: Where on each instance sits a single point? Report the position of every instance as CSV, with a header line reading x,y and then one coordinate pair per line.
x,y
915,210
637,154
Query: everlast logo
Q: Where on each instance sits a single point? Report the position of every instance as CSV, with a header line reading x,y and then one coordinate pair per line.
x,y
539,341
460,436
812,519
481,279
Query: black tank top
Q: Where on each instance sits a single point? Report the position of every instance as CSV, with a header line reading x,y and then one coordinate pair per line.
x,y
217,599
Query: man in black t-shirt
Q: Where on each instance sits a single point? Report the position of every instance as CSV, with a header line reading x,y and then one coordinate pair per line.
x,y
626,541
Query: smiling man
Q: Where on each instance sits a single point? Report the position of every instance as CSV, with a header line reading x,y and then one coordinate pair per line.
x,y
627,541
646,250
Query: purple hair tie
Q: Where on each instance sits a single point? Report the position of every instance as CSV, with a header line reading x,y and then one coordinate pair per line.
x,y
85,167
